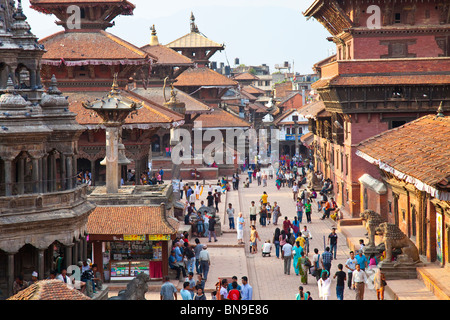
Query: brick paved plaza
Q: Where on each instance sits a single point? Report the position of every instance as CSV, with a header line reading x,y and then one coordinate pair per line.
x,y
266,274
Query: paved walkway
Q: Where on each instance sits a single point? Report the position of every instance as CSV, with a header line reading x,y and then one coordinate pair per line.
x,y
266,274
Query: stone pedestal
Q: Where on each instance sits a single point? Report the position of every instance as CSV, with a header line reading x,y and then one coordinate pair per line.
x,y
395,270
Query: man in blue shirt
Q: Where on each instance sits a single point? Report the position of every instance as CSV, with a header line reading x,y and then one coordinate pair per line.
x,y
185,293
327,256
362,260
246,289
230,285
178,254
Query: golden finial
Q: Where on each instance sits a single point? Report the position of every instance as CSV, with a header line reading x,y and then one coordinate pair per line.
x,y
154,38
115,87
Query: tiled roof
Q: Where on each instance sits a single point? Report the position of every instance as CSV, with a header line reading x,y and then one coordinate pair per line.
x,y
197,77
245,76
167,56
258,107
368,80
90,45
194,40
130,220
312,110
419,149
193,106
220,118
150,114
253,90
307,138
49,290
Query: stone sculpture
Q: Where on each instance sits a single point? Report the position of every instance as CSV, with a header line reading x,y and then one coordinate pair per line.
x,y
393,237
373,220
136,288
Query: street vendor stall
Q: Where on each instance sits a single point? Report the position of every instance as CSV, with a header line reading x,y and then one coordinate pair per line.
x,y
129,240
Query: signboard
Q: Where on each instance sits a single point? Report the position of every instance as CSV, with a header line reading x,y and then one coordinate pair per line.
x,y
134,237
291,137
158,237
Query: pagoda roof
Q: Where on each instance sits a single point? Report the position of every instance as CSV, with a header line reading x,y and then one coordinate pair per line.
x,y
194,40
198,77
156,94
330,14
417,152
167,56
91,47
151,115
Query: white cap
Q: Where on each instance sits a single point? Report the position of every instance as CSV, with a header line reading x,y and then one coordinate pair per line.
x,y
34,274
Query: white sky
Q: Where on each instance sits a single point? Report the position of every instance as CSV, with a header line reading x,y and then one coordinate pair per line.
x,y
255,31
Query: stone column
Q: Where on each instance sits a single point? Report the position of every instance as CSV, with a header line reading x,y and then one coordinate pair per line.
x,y
41,263
112,156
69,171
53,186
74,170
83,244
63,172
10,277
44,174
92,172
76,252
35,174
174,139
40,180
8,176
20,175
68,255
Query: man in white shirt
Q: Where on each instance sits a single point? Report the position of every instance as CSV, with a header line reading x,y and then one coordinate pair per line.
x,y
252,213
223,290
205,262
306,234
359,280
351,266
286,255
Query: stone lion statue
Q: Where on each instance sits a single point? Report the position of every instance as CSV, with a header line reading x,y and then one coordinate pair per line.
x,y
313,181
393,237
373,220
137,287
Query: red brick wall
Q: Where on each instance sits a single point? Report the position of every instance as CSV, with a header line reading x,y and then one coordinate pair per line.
x,y
370,47
383,65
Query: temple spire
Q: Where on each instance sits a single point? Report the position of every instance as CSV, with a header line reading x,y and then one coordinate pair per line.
x,y
154,38
193,25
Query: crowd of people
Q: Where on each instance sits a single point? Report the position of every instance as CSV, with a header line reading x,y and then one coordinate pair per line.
x,y
89,282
